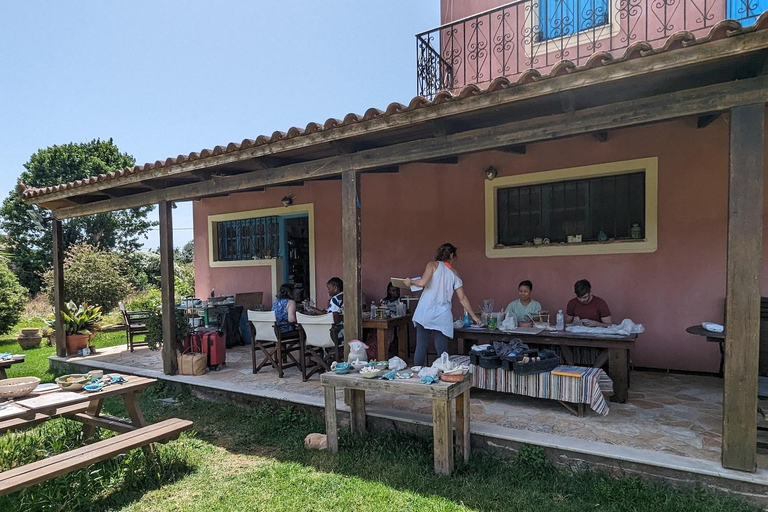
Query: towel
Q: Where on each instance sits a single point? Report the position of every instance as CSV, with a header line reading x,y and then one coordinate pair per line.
x,y
712,327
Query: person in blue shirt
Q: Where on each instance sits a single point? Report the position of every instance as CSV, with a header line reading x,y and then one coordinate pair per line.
x,y
285,308
525,305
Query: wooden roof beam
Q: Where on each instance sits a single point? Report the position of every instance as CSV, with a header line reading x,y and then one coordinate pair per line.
x,y
652,109
445,160
517,149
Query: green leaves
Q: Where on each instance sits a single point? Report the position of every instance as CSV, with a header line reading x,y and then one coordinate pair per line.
x,y
78,319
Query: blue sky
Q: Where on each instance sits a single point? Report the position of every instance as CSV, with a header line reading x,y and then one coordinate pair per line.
x,y
171,77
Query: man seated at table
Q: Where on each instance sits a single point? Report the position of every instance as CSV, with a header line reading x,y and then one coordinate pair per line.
x,y
587,309
335,287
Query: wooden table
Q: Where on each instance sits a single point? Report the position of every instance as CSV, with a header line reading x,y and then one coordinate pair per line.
x,y
713,337
441,393
81,406
383,327
618,348
5,364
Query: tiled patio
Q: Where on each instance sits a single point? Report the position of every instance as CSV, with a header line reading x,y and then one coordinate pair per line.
x,y
674,414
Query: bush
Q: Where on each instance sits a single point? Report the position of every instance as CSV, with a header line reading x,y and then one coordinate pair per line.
x,y
154,336
143,269
92,276
149,300
13,299
184,280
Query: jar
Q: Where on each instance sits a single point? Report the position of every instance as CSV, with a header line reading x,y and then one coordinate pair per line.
x,y
635,231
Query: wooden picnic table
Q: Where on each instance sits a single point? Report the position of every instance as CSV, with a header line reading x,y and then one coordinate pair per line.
x,y
84,407
383,327
618,348
440,393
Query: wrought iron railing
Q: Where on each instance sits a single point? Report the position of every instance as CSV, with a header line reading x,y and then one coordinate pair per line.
x,y
537,34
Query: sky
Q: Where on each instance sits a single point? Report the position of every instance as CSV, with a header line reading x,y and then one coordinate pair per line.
x,y
163,78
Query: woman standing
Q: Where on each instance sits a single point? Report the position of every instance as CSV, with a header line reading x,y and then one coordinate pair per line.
x,y
285,308
433,312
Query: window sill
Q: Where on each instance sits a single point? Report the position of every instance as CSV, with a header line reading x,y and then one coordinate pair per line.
x,y
246,263
573,249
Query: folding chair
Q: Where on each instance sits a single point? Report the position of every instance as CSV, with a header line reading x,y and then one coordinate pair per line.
x,y
277,347
320,345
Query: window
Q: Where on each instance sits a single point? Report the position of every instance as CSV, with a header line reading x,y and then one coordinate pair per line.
x,y
563,18
746,11
247,239
598,209
607,208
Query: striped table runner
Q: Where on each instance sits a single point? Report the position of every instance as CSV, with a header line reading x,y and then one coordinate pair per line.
x,y
587,389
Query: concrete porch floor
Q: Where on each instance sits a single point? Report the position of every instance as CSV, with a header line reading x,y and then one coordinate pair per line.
x,y
671,422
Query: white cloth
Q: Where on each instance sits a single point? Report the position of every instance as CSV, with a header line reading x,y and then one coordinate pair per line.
x,y
434,308
712,327
625,328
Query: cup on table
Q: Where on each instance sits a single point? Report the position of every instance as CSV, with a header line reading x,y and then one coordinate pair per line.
x,y
492,323
96,374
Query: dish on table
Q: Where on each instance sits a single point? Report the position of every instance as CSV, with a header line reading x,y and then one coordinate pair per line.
x,y
19,386
369,372
73,382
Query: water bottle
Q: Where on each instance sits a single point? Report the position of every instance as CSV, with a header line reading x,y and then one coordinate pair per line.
x,y
560,320
467,323
373,309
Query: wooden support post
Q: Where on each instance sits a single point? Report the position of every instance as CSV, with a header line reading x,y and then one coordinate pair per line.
x,y
167,289
58,288
331,425
742,286
350,225
357,411
442,431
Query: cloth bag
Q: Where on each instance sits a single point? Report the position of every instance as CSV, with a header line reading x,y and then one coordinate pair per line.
x,y
192,364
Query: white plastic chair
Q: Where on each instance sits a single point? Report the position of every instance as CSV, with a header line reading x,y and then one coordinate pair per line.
x,y
319,343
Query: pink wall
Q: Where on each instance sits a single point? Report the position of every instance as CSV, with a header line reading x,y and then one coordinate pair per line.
x,y
406,216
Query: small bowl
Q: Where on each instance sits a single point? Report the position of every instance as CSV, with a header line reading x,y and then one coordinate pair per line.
x,y
73,382
451,377
92,388
370,374
416,369
379,365
341,371
359,364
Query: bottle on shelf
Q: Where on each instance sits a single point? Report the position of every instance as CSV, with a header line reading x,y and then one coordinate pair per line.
x,y
560,324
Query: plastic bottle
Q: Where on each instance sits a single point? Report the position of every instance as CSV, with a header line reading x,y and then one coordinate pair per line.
x,y
467,323
373,309
560,320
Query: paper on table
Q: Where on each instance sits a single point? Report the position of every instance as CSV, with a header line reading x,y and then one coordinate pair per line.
x,y
399,282
51,399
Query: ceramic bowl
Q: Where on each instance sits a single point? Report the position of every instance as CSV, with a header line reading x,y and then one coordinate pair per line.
x,y
379,365
92,388
73,382
19,386
356,365
369,372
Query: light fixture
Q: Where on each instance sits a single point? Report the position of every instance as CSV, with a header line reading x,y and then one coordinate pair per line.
x,y
287,200
491,173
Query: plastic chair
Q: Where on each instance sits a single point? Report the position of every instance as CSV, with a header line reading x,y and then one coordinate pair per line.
x,y
320,345
277,347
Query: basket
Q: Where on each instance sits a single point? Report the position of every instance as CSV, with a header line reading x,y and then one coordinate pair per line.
x,y
20,386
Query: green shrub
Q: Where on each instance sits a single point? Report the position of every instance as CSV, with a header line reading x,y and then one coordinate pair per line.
x,y
92,276
13,298
154,337
143,269
148,300
184,280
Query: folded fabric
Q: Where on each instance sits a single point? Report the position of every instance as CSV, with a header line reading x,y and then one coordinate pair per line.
x,y
712,327
625,328
480,348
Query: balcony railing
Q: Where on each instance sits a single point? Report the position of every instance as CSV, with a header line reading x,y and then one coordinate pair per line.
x,y
537,34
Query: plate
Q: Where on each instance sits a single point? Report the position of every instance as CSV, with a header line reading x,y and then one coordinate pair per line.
x,y
49,386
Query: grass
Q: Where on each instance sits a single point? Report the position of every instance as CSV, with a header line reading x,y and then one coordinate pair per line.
x,y
240,458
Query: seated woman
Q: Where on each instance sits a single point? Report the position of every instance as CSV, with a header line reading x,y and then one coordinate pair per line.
x,y
285,309
392,299
525,305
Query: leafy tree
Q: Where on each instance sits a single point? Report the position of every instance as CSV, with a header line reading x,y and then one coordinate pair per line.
x,y
31,244
13,298
185,254
92,276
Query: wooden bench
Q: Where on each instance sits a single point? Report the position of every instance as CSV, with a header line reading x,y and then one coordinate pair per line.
x,y
30,474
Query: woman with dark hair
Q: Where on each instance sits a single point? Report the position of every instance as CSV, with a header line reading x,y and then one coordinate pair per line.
x,y
525,305
285,308
433,312
392,299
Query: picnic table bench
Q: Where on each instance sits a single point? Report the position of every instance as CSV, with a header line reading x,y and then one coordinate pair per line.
x,y
86,408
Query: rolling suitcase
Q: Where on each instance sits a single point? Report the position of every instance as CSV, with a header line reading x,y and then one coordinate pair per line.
x,y
193,342
214,345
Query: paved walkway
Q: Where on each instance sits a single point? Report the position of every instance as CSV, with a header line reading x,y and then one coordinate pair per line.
x,y
675,414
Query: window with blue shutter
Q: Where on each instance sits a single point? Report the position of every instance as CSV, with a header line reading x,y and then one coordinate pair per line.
x,y
563,18
746,11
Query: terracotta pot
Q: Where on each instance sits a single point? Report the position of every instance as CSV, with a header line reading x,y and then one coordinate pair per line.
x,y
76,342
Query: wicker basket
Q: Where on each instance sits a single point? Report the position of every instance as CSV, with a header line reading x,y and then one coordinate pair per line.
x,y
20,386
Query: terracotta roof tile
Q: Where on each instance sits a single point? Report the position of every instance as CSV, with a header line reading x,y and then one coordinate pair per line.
x,y
723,29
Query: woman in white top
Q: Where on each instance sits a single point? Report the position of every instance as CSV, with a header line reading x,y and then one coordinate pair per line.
x,y
525,305
433,312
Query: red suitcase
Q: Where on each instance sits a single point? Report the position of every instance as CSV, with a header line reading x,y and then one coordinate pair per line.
x,y
214,344
193,343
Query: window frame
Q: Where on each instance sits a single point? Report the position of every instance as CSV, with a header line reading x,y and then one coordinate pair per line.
x,y
650,227
544,31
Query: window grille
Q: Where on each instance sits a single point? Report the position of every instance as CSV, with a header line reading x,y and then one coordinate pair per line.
x,y
247,239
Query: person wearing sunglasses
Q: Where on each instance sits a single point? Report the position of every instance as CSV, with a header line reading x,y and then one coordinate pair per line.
x,y
587,309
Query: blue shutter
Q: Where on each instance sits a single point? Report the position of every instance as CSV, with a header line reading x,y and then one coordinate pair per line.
x,y
746,11
564,18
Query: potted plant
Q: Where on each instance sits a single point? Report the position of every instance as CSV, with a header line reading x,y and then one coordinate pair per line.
x,y
79,321
154,337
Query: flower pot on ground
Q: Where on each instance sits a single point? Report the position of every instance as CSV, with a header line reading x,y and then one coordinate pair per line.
x,y
78,323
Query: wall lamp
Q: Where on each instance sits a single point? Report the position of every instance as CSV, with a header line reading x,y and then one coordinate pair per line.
x,y
491,173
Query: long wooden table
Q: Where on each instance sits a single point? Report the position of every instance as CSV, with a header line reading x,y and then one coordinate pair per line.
x,y
81,406
618,348
383,327
6,364
440,393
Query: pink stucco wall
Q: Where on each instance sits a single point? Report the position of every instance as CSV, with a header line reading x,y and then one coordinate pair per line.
x,y
406,216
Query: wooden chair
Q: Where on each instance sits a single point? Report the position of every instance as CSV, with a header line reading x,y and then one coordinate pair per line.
x,y
135,325
320,345
278,348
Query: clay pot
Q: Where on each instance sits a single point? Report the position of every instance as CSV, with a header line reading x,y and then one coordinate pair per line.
x,y
76,342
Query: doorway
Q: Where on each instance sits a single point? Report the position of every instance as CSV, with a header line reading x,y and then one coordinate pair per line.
x,y
296,254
